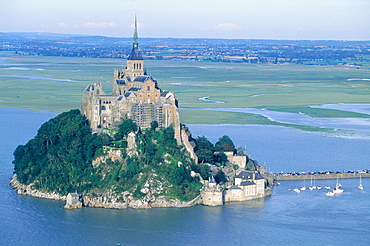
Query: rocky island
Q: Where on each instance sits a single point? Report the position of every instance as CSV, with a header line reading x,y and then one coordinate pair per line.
x,y
129,150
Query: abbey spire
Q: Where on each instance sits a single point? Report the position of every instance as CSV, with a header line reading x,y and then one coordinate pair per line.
x,y
135,53
136,38
135,61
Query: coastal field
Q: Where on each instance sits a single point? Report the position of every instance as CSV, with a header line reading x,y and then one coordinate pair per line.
x,y
56,84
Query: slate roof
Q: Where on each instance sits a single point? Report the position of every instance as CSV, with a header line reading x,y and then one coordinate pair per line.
x,y
246,183
164,93
135,54
90,87
259,176
134,89
121,81
129,94
249,175
245,175
142,78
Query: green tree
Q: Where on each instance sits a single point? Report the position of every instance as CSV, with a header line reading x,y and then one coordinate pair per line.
x,y
154,125
204,150
220,177
204,156
241,151
225,143
125,128
220,157
203,143
251,165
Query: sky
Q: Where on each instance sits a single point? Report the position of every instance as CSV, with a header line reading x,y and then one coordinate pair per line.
x,y
232,19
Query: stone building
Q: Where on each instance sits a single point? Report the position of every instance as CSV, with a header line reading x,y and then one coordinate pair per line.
x,y
247,186
241,161
212,193
137,96
73,200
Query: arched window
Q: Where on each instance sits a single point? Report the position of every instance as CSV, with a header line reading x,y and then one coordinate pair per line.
x,y
103,107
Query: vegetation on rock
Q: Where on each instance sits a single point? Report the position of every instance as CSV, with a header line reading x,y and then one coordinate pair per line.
x,y
213,154
59,159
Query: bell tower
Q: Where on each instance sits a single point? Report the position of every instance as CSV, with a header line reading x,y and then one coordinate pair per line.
x,y
135,61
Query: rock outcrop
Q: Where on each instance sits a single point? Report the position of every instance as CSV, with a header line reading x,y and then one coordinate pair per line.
x,y
31,191
112,154
74,200
148,201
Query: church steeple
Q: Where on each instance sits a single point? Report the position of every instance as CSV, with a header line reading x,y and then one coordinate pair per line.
x,y
136,38
135,61
135,53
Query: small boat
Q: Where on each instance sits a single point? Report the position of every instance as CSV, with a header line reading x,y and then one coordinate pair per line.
x,y
337,190
360,187
296,190
327,187
304,185
312,187
338,185
329,193
319,187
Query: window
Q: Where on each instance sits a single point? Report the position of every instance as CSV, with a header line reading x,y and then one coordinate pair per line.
x,y
148,88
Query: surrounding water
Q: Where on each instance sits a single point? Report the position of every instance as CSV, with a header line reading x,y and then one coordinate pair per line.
x,y
285,218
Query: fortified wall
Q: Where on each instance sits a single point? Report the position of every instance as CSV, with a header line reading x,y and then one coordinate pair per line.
x,y
247,186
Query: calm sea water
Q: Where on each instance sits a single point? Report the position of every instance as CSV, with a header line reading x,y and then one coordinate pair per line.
x,y
286,149
285,218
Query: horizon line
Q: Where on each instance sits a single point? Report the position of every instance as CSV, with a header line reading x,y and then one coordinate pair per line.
x,y
278,39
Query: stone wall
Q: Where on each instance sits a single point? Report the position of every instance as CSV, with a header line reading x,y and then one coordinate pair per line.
x,y
241,161
189,145
212,197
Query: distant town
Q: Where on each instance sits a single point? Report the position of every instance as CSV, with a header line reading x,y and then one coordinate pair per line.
x,y
307,52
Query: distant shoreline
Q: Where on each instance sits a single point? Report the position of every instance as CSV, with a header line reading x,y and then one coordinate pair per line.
x,y
320,176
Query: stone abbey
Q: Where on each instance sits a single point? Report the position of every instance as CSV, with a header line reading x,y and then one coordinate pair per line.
x,y
136,96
